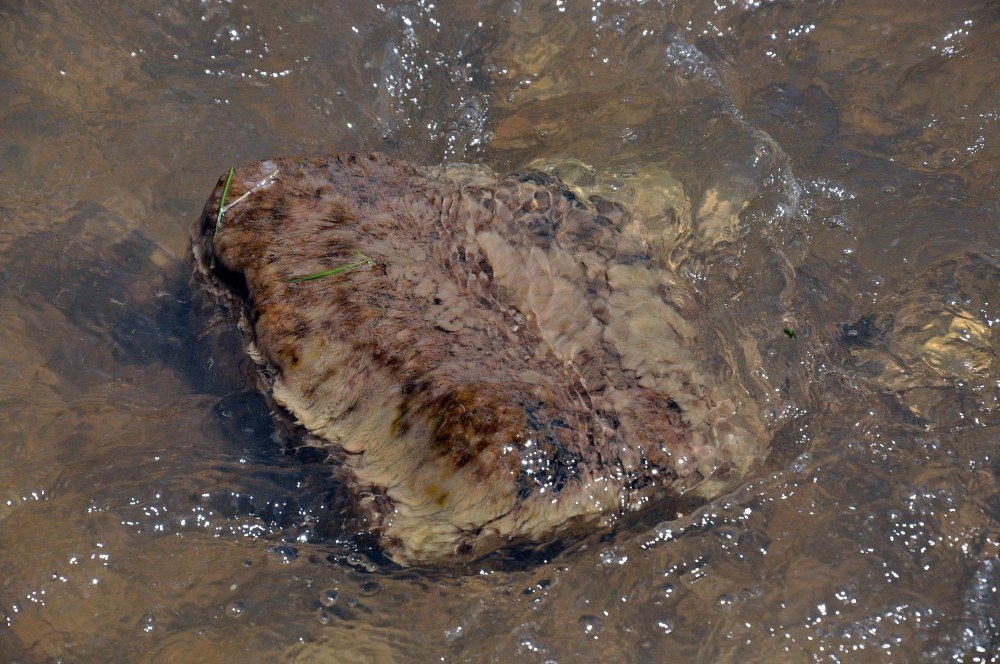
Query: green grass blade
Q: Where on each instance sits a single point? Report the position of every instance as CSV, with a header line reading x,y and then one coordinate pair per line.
x,y
222,208
337,270
222,201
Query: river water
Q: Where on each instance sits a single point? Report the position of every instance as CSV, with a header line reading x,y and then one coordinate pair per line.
x,y
836,164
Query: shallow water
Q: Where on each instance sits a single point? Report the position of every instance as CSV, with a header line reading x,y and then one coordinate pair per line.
x,y
837,164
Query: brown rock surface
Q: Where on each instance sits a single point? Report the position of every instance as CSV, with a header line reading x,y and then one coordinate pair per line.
x,y
492,358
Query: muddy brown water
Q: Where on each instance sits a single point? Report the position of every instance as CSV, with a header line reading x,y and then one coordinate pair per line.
x,y
838,162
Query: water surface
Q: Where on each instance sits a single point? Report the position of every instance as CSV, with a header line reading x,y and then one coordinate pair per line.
x,y
835,165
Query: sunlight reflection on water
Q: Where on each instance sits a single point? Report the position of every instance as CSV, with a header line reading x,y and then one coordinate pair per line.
x,y
841,159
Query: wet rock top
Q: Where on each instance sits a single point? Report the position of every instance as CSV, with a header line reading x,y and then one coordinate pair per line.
x,y
492,357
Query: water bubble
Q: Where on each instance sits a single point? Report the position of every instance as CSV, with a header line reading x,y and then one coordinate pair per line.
x,y
612,556
283,552
591,625
727,534
529,644
666,625
727,599
370,588
235,608
328,598
838,221
685,58
146,623
801,463
729,505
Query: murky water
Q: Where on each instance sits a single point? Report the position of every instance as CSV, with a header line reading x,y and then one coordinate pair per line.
x,y
835,164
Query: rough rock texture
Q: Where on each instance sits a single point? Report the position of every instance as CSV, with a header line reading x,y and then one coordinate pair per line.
x,y
498,359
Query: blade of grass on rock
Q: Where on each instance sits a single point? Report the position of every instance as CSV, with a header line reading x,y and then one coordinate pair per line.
x,y
365,260
222,207
222,201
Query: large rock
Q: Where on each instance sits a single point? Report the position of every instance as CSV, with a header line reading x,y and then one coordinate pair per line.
x,y
489,358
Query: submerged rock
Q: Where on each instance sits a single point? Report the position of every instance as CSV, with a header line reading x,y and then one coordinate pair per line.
x,y
490,358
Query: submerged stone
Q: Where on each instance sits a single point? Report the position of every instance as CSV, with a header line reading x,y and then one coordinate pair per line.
x,y
488,358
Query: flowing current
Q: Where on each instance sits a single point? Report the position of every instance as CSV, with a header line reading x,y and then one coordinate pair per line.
x,y
824,179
